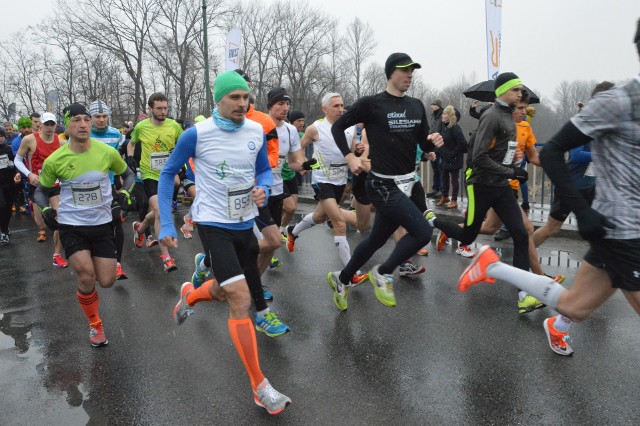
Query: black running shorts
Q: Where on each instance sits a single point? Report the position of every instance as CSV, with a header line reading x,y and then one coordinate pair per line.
x,y
150,187
620,259
98,239
291,186
233,253
271,214
329,190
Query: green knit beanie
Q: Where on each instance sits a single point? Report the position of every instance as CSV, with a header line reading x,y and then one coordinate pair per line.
x,y
228,82
25,123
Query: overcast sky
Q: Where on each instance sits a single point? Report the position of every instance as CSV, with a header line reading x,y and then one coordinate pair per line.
x,y
543,41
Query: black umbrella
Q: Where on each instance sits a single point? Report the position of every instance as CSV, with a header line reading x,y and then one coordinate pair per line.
x,y
485,92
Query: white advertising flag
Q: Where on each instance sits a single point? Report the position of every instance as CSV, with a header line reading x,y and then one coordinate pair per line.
x,y
494,36
232,50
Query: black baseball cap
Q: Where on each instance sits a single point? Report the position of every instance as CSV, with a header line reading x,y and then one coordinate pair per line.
x,y
398,60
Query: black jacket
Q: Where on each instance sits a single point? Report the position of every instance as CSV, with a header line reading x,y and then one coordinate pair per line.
x,y
455,145
7,170
436,121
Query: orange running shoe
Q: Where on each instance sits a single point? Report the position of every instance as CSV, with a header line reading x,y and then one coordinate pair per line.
x,y
188,222
42,236
168,263
557,340
151,241
423,252
476,272
120,274
558,278
291,239
358,279
96,335
59,262
442,240
182,310
138,237
186,233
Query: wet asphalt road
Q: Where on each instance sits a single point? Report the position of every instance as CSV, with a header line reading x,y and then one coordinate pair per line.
x,y
439,357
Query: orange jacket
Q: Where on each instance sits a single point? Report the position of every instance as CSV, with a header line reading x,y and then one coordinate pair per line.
x,y
525,139
269,127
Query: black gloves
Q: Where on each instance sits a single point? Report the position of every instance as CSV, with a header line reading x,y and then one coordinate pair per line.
x,y
592,224
132,163
127,203
520,174
310,164
49,217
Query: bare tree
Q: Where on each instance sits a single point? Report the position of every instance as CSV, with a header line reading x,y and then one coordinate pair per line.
x,y
568,94
7,96
25,67
120,27
174,44
256,21
360,44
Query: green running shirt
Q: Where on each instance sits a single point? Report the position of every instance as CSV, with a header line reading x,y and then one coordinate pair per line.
x,y
157,144
85,188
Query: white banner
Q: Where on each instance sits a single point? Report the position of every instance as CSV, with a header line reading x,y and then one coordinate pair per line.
x,y
232,49
493,10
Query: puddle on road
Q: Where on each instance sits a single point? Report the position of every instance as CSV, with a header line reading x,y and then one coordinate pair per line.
x,y
23,361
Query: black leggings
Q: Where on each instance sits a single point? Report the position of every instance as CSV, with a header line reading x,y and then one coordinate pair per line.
x,y
231,253
8,195
504,203
418,197
394,209
118,233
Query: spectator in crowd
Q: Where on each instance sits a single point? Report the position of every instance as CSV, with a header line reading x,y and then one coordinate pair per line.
x,y
451,156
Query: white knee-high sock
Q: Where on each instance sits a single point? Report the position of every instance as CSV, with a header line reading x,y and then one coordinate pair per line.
x,y
344,251
306,223
541,287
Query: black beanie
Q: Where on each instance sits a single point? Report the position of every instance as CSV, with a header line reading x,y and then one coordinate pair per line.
x,y
276,95
295,115
503,78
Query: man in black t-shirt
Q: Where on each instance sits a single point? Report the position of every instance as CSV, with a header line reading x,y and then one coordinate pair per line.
x,y
395,125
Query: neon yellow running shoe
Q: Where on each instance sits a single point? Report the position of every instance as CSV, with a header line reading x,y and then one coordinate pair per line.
x,y
382,287
529,304
340,291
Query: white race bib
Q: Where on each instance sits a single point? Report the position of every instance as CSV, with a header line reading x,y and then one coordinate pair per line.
x,y
511,153
4,161
338,171
158,160
278,168
405,183
590,172
86,194
239,201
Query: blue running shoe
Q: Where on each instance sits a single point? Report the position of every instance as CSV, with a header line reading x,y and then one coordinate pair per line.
x,y
271,325
200,275
267,294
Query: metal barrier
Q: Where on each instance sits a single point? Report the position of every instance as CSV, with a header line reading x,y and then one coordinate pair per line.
x,y
540,190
